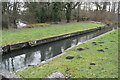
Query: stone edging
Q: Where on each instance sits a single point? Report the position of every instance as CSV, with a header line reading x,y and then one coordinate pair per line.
x,y
21,45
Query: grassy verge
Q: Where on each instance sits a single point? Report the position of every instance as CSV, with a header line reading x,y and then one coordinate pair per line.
x,y
102,52
29,34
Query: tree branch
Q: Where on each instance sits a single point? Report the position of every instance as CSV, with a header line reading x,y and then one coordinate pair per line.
x,y
75,5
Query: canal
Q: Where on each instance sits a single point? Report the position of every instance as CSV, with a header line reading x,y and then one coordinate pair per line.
x,y
18,59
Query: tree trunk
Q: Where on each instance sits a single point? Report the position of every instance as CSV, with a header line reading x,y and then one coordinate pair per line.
x,y
14,16
5,16
104,6
68,12
68,15
69,8
109,7
78,17
98,6
113,7
119,14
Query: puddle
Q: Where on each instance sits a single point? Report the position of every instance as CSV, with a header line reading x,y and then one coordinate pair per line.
x,y
69,57
80,49
92,64
101,50
106,48
94,43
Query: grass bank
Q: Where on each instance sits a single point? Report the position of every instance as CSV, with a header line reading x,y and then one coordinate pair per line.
x,y
97,58
30,34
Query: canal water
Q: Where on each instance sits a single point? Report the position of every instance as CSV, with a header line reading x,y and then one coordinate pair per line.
x,y
15,60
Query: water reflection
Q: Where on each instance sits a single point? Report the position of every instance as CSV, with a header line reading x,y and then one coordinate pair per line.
x,y
33,58
15,60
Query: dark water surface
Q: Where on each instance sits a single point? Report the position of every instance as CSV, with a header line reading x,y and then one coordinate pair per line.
x,y
18,59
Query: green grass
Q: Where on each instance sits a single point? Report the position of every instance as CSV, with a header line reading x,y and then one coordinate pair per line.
x,y
106,62
30,34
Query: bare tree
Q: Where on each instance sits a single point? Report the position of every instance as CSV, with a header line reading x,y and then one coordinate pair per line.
x,y
104,6
9,14
98,6
69,6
